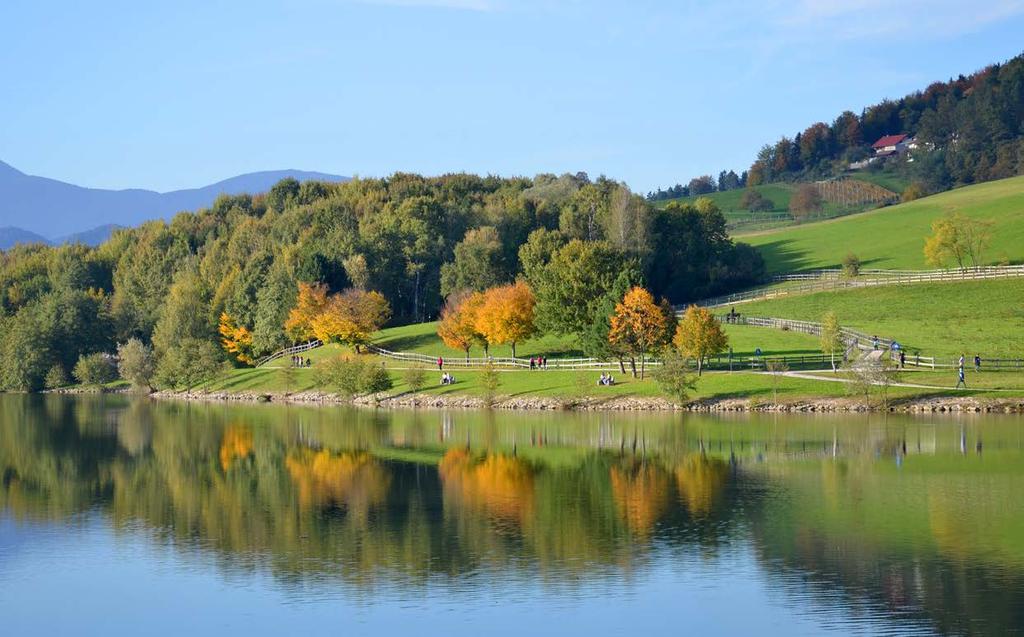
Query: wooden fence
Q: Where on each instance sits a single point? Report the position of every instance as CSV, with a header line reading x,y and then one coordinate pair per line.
x,y
305,347
824,280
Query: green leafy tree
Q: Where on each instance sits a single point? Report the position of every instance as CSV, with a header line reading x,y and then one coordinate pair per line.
x,y
188,364
95,369
831,338
136,364
478,263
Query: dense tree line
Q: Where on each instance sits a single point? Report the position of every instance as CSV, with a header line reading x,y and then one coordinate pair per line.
x,y
221,284
702,185
969,129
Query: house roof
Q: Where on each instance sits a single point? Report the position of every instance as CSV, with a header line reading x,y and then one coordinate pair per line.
x,y
888,140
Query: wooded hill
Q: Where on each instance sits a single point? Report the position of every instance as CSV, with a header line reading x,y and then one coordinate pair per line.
x,y
414,239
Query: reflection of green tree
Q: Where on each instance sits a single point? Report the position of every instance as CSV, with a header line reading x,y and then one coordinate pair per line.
x,y
307,493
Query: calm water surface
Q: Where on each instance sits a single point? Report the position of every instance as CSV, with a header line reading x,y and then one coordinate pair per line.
x,y
121,516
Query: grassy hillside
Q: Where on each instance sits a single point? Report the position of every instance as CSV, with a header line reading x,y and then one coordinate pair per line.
x,y
729,201
894,237
939,319
886,180
422,338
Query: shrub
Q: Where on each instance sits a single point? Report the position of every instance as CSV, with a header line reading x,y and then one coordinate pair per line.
x,y
94,369
135,363
490,380
674,377
415,377
375,379
851,265
913,191
56,377
190,363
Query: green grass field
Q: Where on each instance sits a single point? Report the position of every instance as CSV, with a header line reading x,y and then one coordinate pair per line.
x,y
422,338
729,201
939,319
886,180
893,237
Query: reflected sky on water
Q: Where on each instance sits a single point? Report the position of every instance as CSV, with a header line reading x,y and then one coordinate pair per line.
x,y
121,515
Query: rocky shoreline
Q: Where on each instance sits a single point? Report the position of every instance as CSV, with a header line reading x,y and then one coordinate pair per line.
x,y
619,404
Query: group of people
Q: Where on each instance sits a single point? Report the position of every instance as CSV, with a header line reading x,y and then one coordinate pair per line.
x,y
298,361
539,362
447,379
606,379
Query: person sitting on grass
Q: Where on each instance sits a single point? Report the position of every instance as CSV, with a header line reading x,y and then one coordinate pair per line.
x,y
603,380
445,379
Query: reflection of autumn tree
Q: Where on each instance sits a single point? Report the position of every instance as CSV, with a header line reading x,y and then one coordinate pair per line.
x,y
323,479
236,444
501,485
640,491
700,480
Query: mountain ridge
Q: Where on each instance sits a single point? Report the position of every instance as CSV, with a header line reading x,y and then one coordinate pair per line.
x,y
54,209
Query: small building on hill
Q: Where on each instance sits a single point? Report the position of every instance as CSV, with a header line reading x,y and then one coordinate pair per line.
x,y
891,145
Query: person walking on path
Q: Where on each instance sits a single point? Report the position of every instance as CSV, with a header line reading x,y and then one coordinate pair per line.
x,y
960,378
961,363
977,363
440,364
903,359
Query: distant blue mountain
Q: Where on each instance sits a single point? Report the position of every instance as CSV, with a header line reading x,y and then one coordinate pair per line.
x,y
58,210
11,235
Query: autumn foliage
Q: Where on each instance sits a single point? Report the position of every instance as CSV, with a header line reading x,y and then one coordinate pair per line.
x,y
349,317
457,327
638,325
235,339
507,314
699,336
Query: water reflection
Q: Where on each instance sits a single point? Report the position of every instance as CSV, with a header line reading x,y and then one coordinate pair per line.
x,y
901,523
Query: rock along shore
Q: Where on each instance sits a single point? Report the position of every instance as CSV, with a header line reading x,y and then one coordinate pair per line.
x,y
621,404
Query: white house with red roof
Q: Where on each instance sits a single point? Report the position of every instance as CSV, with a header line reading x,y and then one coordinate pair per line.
x,y
891,145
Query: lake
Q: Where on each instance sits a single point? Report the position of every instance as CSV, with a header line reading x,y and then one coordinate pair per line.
x,y
132,516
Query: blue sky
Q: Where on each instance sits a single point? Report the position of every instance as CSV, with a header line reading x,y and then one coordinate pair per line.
x,y
123,94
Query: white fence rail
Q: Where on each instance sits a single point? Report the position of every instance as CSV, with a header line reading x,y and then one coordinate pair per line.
x,y
305,347
823,280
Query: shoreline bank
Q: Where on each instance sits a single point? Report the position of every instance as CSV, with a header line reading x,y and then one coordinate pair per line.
x,y
922,405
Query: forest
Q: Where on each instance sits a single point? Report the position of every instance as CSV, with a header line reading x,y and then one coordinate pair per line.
x,y
969,130
178,298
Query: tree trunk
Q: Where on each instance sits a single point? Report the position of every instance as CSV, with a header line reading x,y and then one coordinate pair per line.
x,y
632,365
513,349
622,366
700,365
643,365
467,354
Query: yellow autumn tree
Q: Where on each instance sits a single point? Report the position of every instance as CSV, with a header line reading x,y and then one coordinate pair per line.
x,y
699,336
637,326
457,327
235,339
351,317
506,314
959,238
309,303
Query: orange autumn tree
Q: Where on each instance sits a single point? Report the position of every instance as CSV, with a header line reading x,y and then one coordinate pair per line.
x,y
699,336
235,339
638,326
506,315
457,327
310,302
351,317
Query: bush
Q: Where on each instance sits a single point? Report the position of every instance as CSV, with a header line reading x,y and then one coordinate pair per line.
x,y
754,201
95,369
135,363
415,377
806,201
913,191
851,265
56,377
674,377
190,363
490,380
375,379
